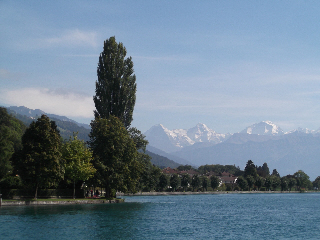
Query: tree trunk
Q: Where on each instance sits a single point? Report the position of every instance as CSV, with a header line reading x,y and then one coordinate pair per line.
x,y
74,189
36,193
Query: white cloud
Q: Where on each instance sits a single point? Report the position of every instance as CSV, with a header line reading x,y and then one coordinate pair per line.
x,y
58,101
74,37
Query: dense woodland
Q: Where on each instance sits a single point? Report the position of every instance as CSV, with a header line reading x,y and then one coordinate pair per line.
x,y
47,154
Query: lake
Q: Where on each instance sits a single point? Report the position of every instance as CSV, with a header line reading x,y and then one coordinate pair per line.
x,y
216,216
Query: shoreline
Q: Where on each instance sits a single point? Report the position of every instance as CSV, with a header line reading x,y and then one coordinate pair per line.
x,y
62,202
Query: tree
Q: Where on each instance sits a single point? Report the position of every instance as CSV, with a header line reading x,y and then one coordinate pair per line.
x,y
204,183
116,84
316,183
250,169
11,131
115,156
174,181
292,182
195,182
185,181
250,180
259,182
302,179
215,182
39,163
268,182
275,182
242,183
284,183
263,170
78,161
163,181
275,173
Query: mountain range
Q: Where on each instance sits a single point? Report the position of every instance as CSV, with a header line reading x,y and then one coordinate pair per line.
x,y
287,152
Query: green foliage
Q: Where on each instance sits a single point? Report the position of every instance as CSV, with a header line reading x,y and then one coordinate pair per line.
x,y
316,183
217,168
174,181
259,182
292,182
195,182
242,183
250,169
185,181
275,173
215,182
138,138
263,170
275,182
115,87
39,162
284,183
163,182
268,183
250,180
204,183
185,168
115,155
78,160
11,131
302,179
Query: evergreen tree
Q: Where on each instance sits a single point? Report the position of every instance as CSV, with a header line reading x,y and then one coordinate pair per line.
x,y
116,84
39,163
250,169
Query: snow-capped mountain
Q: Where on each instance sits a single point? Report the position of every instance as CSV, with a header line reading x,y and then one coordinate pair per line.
x,y
174,140
263,128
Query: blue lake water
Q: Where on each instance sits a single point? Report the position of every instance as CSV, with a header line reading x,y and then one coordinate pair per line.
x,y
217,216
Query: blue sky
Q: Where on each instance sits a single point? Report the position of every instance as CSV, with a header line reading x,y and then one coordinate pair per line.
x,y
227,64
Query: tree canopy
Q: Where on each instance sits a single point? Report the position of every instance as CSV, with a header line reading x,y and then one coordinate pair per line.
x,y
115,155
116,84
39,162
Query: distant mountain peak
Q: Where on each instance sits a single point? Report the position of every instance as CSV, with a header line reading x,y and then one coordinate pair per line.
x,y
263,128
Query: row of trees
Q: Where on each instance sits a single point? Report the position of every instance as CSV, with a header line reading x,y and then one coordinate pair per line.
x,y
257,177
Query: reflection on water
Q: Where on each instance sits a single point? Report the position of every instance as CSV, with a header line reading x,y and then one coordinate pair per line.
x,y
233,216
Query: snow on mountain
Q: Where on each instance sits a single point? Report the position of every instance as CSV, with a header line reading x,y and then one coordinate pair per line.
x,y
174,140
263,128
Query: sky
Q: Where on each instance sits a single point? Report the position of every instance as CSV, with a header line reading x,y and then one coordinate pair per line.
x,y
227,64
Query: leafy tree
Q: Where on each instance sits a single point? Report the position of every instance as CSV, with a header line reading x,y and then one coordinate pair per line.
x,y
250,169
242,183
250,180
115,155
116,84
259,182
39,162
163,181
185,181
185,168
11,130
204,183
284,183
78,161
292,182
275,182
217,168
215,182
174,181
302,179
195,182
268,183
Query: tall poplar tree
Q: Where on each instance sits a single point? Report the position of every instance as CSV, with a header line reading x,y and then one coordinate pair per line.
x,y
116,84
